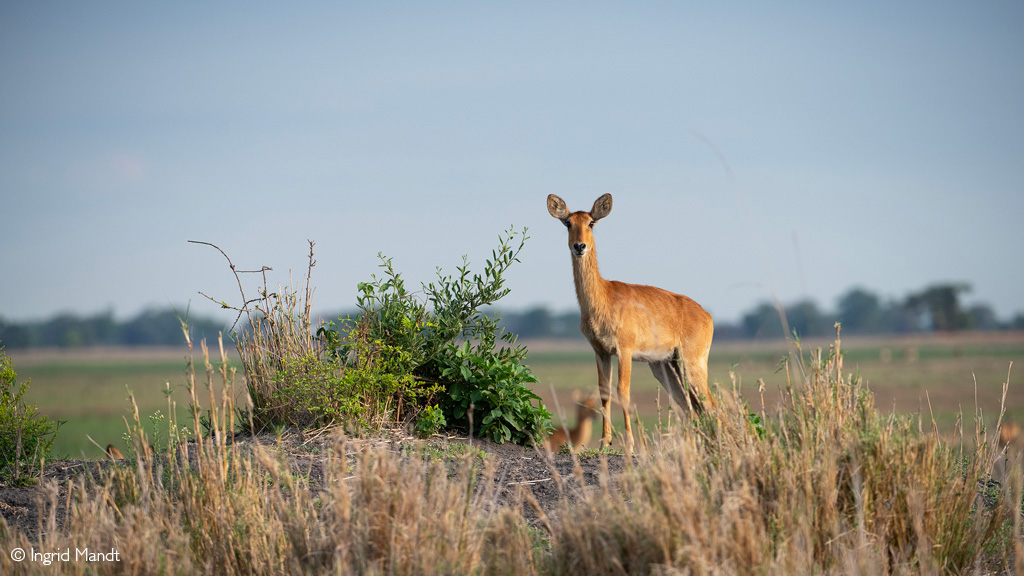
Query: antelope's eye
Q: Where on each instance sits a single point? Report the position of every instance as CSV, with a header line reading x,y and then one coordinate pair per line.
x,y
591,223
567,223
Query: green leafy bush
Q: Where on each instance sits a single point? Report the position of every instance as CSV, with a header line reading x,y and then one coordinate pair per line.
x,y
489,395
25,435
399,355
431,421
448,341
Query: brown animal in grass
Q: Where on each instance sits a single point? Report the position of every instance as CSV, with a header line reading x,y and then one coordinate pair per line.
x,y
114,454
635,323
580,435
1010,433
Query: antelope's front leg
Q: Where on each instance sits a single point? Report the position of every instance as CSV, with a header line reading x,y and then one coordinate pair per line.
x,y
625,368
604,385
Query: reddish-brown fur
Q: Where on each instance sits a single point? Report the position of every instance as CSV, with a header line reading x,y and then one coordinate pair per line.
x,y
1009,433
635,322
579,435
114,454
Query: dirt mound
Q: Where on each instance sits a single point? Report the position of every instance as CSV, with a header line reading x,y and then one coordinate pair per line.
x,y
546,476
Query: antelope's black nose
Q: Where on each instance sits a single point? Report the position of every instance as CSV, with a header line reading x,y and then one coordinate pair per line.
x,y
580,248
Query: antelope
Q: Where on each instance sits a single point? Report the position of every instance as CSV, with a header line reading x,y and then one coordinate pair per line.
x,y
635,322
114,454
1009,433
579,435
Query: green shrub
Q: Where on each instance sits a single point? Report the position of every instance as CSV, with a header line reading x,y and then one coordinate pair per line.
x,y
431,421
368,391
25,435
449,342
397,356
489,395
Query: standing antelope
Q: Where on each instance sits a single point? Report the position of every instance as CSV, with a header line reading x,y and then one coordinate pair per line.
x,y
635,322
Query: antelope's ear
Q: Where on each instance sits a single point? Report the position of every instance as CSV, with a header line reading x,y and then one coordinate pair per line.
x,y
602,207
556,207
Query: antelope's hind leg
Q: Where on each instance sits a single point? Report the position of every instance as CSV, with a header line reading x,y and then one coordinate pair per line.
x,y
697,378
667,372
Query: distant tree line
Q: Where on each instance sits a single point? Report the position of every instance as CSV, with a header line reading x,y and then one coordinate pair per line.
x,y
937,308
148,328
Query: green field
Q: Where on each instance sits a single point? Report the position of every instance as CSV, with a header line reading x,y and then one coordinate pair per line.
x,y
904,374
89,389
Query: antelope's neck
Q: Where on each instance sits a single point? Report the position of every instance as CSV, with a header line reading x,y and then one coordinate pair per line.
x,y
590,287
584,428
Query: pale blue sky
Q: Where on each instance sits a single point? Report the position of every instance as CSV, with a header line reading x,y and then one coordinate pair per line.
x,y
875,144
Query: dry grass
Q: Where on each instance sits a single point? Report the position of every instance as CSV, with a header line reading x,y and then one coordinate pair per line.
x,y
209,507
824,485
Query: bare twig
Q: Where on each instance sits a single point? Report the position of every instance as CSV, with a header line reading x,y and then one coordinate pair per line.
x,y
309,274
244,309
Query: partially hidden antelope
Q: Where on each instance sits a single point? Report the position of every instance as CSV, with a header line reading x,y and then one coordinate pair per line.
x,y
635,322
586,409
1010,433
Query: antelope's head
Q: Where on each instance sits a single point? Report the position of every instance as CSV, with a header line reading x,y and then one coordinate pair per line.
x,y
580,224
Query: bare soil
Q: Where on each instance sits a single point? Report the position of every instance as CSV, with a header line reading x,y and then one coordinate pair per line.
x,y
548,477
